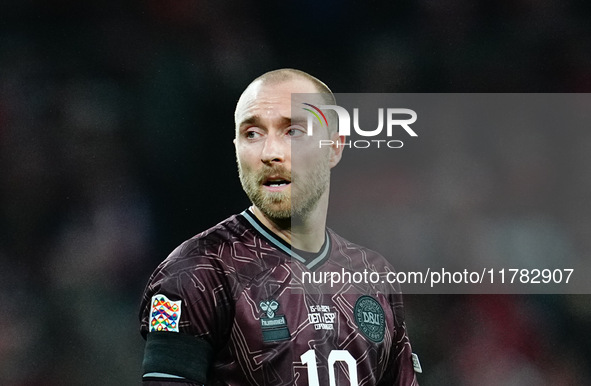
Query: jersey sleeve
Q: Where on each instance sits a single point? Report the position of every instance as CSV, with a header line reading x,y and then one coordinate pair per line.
x,y
185,317
400,370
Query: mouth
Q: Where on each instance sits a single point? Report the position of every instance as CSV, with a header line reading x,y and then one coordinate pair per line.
x,y
276,183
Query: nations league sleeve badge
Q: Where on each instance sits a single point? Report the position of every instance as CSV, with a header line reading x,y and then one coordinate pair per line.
x,y
370,318
165,314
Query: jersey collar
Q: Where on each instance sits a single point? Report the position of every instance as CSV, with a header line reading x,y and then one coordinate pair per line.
x,y
309,259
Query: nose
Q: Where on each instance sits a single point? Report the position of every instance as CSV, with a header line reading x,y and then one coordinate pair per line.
x,y
274,150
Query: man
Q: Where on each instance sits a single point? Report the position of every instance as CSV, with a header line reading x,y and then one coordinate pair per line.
x,y
231,307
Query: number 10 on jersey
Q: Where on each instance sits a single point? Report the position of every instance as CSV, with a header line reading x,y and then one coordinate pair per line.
x,y
309,359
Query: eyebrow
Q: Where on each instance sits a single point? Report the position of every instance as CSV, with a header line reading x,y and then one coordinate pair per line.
x,y
256,119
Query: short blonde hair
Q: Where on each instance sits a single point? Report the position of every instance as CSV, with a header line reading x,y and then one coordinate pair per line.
x,y
287,74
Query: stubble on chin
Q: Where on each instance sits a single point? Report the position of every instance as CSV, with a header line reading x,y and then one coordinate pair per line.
x,y
286,208
274,205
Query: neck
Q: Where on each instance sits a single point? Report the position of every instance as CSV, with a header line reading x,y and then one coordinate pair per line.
x,y
306,233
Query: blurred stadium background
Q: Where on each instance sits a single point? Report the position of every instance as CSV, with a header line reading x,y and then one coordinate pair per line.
x,y
115,146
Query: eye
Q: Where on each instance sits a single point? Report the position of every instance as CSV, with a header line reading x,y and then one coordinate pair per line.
x,y
252,133
296,131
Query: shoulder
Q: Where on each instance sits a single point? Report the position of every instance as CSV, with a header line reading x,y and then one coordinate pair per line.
x,y
210,247
230,253
344,250
201,262
199,271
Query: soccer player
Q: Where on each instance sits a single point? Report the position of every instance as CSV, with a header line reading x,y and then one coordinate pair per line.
x,y
231,306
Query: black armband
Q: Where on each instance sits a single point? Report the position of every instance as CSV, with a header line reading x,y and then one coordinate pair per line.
x,y
177,354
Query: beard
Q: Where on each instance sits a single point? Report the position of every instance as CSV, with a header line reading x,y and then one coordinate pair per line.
x,y
295,203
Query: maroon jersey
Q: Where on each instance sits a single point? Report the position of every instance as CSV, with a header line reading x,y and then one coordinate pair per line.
x,y
234,306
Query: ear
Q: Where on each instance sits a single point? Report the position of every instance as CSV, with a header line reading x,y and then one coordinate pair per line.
x,y
336,149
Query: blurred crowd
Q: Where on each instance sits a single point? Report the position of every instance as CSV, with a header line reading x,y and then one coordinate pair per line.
x,y
116,127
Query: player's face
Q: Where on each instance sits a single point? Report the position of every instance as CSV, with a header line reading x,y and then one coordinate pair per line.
x,y
282,169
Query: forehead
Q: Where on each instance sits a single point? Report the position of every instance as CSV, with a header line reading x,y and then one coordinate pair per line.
x,y
268,99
